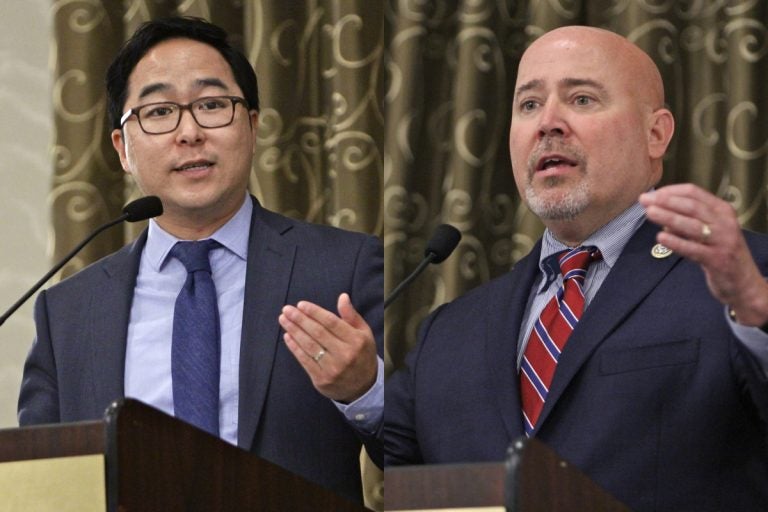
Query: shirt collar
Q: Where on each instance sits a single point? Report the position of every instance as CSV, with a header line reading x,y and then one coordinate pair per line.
x,y
233,235
610,239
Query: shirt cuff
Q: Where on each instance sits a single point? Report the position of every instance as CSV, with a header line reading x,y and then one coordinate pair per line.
x,y
753,338
367,412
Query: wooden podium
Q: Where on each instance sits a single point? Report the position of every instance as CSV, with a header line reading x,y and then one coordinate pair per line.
x,y
140,459
533,478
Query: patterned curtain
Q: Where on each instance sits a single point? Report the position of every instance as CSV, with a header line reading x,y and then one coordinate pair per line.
x,y
321,130
321,124
439,143
452,71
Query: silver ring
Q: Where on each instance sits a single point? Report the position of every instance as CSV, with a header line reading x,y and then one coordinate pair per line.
x,y
706,232
317,357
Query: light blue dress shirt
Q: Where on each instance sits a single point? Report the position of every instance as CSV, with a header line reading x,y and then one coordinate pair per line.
x,y
148,353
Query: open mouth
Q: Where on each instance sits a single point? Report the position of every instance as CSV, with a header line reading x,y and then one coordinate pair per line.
x,y
194,166
554,161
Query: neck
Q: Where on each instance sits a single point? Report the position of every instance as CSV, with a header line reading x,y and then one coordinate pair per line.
x,y
194,225
190,230
571,232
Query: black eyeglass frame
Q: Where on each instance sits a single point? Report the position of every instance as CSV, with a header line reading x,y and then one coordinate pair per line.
x,y
181,108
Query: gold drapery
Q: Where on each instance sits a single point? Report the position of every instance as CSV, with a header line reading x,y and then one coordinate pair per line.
x,y
318,156
440,141
452,68
321,124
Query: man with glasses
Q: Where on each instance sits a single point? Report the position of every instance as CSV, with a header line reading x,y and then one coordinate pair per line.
x,y
260,329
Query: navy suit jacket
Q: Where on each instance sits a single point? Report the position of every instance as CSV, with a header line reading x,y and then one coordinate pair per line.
x,y
653,397
75,368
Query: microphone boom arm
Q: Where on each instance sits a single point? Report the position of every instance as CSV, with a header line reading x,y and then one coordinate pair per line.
x,y
58,266
444,240
426,261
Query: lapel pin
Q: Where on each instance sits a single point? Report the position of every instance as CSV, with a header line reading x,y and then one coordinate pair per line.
x,y
659,251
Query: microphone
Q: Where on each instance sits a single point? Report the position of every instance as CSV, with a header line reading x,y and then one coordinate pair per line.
x,y
444,240
140,209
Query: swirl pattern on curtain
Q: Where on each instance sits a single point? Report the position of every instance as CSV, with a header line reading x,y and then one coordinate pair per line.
x,y
451,68
321,126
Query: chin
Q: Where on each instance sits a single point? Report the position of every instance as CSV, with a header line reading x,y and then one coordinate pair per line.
x,y
551,204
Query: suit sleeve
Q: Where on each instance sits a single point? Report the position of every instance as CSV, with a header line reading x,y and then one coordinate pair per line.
x,y
749,351
368,288
754,340
401,445
39,396
367,296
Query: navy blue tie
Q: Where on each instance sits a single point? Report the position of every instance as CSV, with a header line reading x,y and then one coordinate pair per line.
x,y
195,353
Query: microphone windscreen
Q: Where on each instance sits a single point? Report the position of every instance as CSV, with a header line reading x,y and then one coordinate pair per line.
x,y
444,240
143,208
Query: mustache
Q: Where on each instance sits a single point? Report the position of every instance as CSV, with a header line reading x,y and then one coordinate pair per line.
x,y
551,145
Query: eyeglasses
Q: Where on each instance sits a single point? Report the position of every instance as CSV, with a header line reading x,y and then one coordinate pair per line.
x,y
164,117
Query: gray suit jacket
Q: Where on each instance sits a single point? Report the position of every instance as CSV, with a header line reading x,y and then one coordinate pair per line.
x,y
75,368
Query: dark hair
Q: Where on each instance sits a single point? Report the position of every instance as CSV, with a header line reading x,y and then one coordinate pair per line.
x,y
152,33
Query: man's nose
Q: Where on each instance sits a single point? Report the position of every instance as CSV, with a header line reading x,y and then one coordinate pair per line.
x,y
188,131
552,121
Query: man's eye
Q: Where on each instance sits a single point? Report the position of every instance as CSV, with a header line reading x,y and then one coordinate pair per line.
x,y
583,100
159,111
527,105
212,104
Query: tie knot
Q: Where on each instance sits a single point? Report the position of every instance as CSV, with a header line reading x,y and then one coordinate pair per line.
x,y
574,262
194,255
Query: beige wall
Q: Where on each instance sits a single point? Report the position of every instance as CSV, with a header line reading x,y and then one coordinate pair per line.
x,y
25,171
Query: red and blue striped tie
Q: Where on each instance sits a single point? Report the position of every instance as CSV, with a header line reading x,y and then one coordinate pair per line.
x,y
551,331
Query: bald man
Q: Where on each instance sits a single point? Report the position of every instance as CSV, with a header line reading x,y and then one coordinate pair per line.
x,y
627,339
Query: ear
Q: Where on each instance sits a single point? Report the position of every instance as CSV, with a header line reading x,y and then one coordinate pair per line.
x,y
661,128
119,144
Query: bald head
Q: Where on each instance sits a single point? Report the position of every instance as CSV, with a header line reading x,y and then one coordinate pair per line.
x,y
625,60
589,129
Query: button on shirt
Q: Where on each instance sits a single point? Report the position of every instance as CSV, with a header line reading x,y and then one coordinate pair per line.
x,y
148,353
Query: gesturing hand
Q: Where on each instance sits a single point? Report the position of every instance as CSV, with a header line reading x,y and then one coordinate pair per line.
x,y
704,228
338,352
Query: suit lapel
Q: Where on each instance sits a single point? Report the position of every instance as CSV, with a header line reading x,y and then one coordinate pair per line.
x,y
503,332
107,335
270,263
634,276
